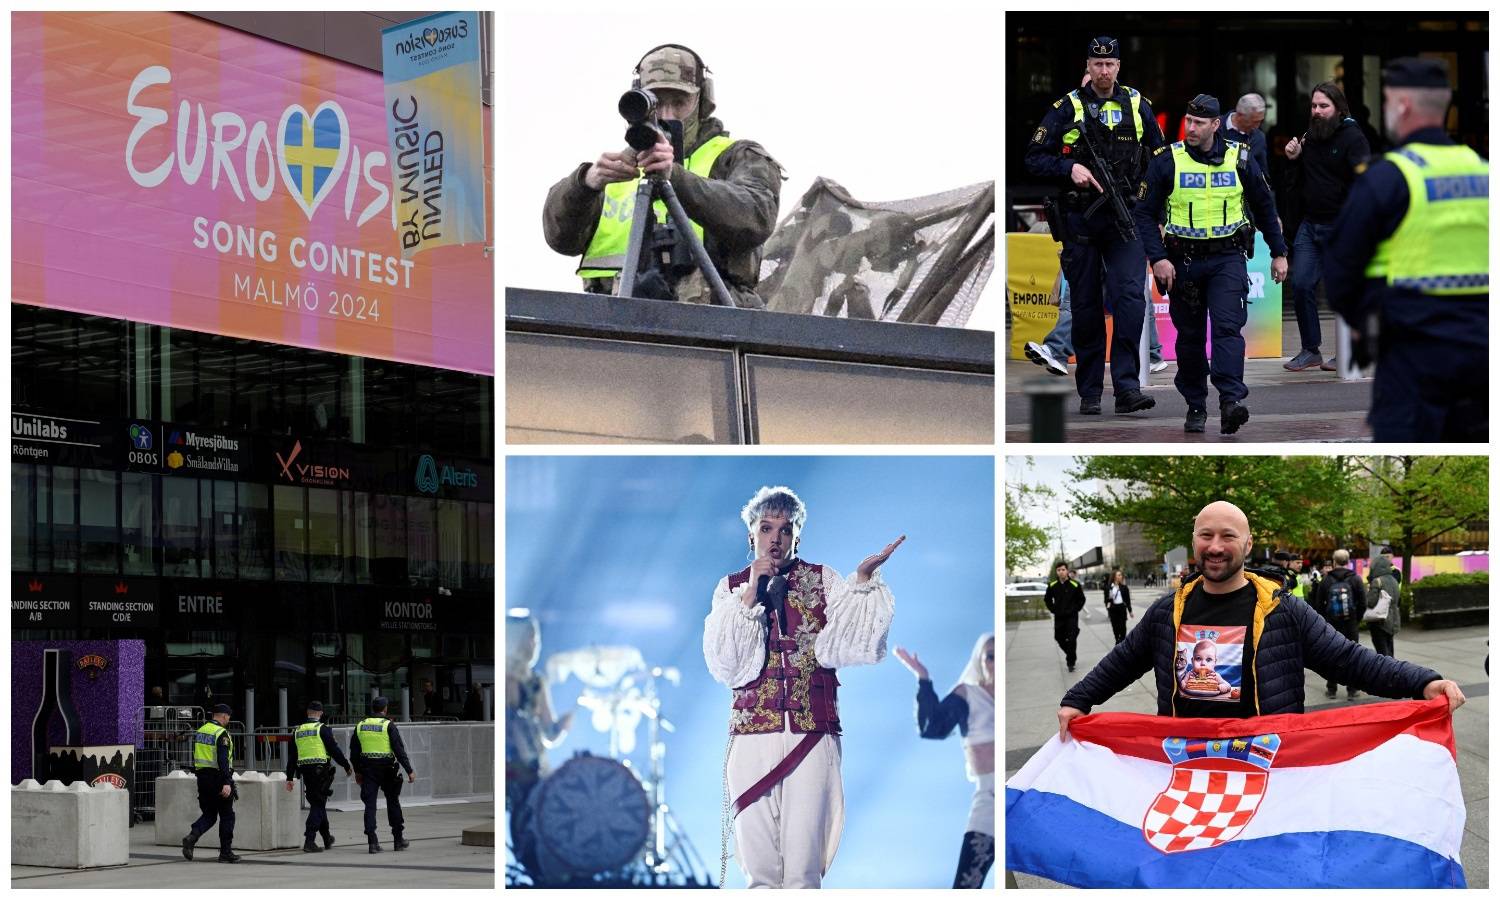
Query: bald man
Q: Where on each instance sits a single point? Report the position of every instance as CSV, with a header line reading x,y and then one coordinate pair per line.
x,y
1233,644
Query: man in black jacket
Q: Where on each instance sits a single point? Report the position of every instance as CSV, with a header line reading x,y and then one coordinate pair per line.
x,y
1232,644
1065,600
1340,599
1324,164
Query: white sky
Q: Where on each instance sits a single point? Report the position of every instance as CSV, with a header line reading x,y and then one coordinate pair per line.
x,y
1078,535
892,101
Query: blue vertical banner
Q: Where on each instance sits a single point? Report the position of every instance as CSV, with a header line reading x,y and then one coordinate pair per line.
x,y
434,114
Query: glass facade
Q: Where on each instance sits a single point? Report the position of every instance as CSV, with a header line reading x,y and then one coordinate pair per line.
x,y
294,515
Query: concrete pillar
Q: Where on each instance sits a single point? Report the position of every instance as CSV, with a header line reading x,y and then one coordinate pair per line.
x,y
1344,341
281,713
406,703
488,703
249,729
1143,350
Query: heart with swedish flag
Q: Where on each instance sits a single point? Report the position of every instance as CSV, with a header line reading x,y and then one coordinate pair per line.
x,y
313,149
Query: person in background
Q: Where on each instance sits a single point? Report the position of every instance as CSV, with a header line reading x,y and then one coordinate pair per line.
x,y
969,707
1117,602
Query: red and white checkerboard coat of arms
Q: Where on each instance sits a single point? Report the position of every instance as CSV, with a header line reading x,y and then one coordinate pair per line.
x,y
1217,785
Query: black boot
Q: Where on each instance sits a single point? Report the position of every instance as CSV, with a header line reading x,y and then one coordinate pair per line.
x,y
327,840
401,843
310,846
187,844
227,855
974,860
374,844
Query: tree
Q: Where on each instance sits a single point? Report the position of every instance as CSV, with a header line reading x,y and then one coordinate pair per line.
x,y
1399,498
1291,498
1025,542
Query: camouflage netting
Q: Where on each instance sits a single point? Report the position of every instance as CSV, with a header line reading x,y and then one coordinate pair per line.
x,y
924,260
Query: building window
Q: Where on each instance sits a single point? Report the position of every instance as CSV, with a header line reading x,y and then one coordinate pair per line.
x,y
389,516
99,529
184,550
254,524
57,519
421,541
22,517
223,529
138,522
324,547
291,533
450,542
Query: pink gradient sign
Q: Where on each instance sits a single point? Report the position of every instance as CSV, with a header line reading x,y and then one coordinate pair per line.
x,y
169,170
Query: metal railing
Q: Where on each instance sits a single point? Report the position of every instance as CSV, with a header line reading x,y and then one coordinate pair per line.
x,y
166,745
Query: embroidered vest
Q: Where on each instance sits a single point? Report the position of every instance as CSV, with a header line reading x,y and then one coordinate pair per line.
x,y
790,684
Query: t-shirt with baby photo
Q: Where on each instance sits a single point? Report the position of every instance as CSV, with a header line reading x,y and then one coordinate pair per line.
x,y
1214,669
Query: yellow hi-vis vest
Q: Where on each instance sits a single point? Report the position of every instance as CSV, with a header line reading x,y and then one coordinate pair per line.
x,y
1441,247
309,738
1110,113
1207,201
605,256
206,745
375,738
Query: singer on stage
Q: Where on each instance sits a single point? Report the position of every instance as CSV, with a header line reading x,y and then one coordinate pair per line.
x,y
778,630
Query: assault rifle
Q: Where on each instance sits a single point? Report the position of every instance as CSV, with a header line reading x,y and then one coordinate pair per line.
x,y
1106,178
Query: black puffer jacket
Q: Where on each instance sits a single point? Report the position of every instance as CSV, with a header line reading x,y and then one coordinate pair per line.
x,y
1291,637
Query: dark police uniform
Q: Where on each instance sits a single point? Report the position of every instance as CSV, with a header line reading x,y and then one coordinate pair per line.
x,y
1432,309
1103,270
213,748
315,767
1202,197
375,747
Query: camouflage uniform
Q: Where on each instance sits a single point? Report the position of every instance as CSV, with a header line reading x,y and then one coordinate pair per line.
x,y
736,205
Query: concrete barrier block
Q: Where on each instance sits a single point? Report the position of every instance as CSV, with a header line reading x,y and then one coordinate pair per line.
x,y
69,826
266,815
176,807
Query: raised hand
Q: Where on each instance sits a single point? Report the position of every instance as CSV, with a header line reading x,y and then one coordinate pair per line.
x,y
910,660
875,561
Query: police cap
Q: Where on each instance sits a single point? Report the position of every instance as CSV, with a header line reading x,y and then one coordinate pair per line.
x,y
222,708
1204,106
1104,47
314,706
1283,556
1414,72
379,703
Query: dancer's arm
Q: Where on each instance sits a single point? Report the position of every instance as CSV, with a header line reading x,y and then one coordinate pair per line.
x,y
734,637
936,719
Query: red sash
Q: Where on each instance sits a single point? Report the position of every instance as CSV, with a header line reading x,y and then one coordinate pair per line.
x,y
782,770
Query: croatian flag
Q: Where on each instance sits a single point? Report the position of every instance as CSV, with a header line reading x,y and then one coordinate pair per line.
x,y
1361,796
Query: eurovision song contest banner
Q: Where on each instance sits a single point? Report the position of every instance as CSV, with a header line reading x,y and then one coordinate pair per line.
x,y
1356,796
435,119
1031,265
166,169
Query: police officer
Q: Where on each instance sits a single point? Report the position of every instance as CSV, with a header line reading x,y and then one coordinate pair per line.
x,y
1407,266
213,748
376,748
314,751
1102,267
1204,187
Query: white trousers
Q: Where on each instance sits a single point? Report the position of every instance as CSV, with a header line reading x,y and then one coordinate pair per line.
x,y
788,837
982,807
